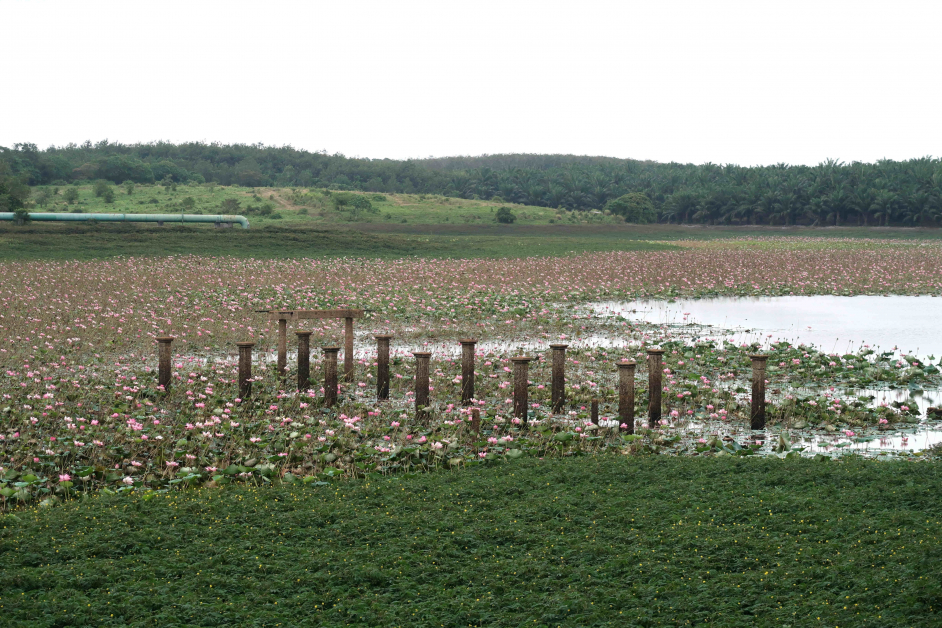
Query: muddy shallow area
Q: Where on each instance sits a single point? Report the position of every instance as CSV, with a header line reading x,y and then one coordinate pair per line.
x,y
902,325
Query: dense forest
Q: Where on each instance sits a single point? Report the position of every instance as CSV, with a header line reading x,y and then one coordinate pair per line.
x,y
831,193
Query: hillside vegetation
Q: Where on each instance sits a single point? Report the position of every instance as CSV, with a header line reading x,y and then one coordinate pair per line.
x,y
831,193
312,205
317,222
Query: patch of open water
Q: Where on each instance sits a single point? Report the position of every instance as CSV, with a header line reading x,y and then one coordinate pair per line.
x,y
830,323
833,324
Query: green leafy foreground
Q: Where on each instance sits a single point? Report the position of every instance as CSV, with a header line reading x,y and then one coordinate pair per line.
x,y
626,541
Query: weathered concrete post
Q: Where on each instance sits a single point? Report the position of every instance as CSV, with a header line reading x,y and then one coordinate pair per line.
x,y
382,366
348,349
421,383
521,375
245,368
282,346
163,361
654,386
559,376
758,391
467,370
594,412
476,421
304,359
626,394
330,375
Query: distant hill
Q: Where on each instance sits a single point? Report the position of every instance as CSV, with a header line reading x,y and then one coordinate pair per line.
x,y
884,193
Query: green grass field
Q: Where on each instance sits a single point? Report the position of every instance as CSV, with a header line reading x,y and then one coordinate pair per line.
x,y
300,205
304,223
403,213
579,542
286,240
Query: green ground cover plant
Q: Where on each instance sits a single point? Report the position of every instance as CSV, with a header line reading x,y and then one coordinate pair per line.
x,y
570,542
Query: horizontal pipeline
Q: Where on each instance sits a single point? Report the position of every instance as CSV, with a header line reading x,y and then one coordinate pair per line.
x,y
160,218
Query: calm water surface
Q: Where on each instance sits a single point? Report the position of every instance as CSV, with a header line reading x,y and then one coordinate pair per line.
x,y
831,323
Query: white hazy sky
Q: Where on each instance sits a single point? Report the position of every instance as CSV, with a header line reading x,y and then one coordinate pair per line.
x,y
752,82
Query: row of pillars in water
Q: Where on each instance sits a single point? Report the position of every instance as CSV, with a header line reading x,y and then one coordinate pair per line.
x,y
626,378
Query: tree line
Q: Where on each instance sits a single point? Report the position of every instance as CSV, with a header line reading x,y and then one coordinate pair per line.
x,y
831,193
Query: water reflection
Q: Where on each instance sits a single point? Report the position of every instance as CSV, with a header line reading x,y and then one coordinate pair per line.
x,y
831,323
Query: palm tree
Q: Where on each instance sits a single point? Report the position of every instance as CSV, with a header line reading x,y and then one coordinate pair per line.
x,y
860,202
838,201
556,195
883,205
921,209
683,205
786,206
818,211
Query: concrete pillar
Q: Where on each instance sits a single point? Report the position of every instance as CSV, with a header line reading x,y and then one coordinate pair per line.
x,y
282,346
163,361
559,376
758,391
626,394
348,371
467,371
330,375
245,368
421,383
654,386
521,374
382,366
304,359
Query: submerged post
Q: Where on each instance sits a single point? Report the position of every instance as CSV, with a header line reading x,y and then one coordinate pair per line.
x,y
382,366
330,375
245,368
421,383
282,346
163,361
559,376
521,375
467,370
304,359
758,391
348,349
594,412
654,386
626,394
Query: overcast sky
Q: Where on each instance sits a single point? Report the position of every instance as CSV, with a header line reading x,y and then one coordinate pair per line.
x,y
754,82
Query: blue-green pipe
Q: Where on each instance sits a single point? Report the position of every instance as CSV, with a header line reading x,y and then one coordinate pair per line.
x,y
242,220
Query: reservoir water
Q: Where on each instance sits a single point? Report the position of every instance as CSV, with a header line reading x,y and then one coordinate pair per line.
x,y
833,324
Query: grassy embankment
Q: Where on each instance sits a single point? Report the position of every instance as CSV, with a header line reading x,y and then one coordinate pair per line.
x,y
273,205
305,224
587,542
308,225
